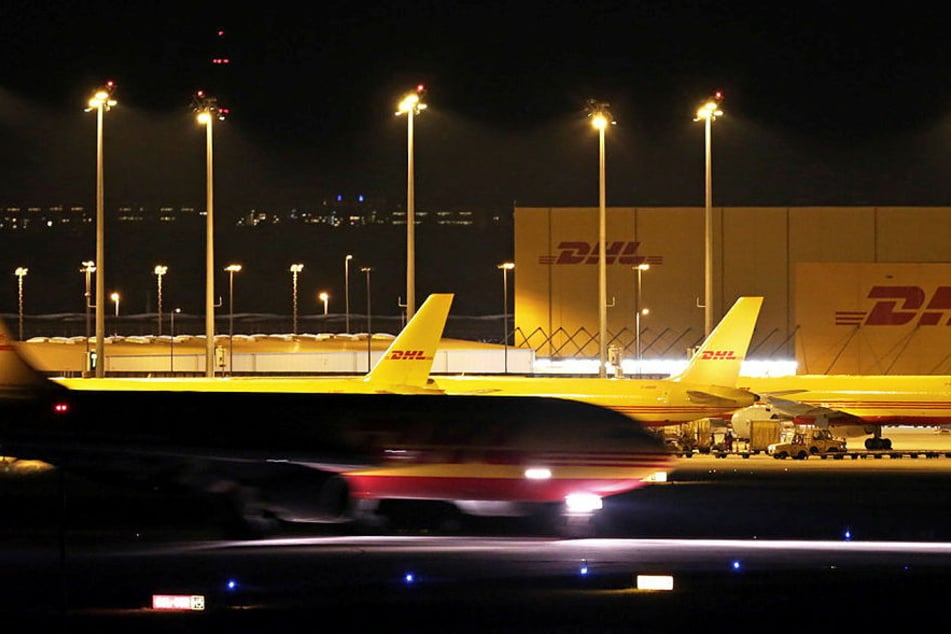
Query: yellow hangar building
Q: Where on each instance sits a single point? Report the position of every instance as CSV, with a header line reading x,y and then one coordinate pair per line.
x,y
848,290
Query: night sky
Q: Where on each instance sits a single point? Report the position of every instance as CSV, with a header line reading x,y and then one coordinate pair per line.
x,y
826,104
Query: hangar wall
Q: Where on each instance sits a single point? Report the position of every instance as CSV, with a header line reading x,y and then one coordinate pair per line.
x,y
756,251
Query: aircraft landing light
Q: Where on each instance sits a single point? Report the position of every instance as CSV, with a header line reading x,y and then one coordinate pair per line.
x,y
538,473
583,503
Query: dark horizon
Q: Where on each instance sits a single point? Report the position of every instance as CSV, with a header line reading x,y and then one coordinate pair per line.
x,y
460,260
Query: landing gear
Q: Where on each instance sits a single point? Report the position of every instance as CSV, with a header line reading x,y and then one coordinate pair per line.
x,y
877,442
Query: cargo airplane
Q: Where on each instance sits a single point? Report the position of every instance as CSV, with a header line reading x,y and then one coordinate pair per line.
x,y
706,388
331,456
404,367
851,405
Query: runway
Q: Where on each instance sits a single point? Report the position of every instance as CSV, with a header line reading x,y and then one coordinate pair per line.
x,y
751,544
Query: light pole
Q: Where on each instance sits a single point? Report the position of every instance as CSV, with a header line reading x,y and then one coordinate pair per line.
x,y
505,268
600,119
367,270
324,297
411,105
231,269
115,298
207,111
89,267
160,270
346,292
171,346
20,272
640,268
295,270
637,319
708,113
101,101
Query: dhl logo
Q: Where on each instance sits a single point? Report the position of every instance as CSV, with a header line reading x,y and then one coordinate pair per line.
x,y
577,252
900,305
719,355
408,355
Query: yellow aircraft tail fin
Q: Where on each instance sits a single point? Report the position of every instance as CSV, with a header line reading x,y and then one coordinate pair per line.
x,y
17,376
718,360
409,359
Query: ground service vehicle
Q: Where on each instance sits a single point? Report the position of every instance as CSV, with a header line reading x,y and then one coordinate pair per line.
x,y
807,442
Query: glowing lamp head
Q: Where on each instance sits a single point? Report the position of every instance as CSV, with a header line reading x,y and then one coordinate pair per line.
x,y
102,98
412,102
709,111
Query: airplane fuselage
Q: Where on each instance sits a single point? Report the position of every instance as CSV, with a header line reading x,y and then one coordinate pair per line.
x,y
653,402
428,447
923,400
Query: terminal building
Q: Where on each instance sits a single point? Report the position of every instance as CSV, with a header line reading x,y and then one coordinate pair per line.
x,y
848,290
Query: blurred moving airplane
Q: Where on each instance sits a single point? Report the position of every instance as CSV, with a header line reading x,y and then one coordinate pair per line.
x,y
332,456
851,405
707,387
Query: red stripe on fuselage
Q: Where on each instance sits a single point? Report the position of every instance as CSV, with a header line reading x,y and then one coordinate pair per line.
x,y
496,489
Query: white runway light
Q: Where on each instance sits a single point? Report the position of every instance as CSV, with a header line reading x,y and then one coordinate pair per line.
x,y
655,582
